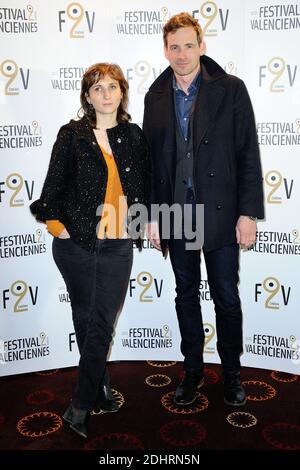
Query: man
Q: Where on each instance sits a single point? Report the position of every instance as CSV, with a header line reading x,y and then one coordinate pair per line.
x,y
200,127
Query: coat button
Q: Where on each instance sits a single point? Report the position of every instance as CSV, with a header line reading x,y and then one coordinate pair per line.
x,y
44,204
136,199
219,206
162,181
94,143
127,169
211,174
119,140
205,141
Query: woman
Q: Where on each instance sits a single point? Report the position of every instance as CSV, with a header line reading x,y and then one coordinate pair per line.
x,y
99,159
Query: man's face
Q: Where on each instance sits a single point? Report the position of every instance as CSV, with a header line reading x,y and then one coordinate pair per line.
x,y
183,51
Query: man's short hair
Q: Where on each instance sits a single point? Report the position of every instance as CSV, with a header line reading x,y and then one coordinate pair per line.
x,y
182,20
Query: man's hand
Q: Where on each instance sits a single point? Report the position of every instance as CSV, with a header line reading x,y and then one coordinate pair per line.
x,y
245,232
152,234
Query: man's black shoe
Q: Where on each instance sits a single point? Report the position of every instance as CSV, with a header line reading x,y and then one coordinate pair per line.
x,y
186,392
106,401
234,392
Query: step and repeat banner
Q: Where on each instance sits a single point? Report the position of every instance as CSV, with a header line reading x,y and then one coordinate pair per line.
x,y
45,49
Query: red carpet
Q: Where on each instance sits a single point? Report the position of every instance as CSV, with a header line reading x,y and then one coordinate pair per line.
x,y
31,406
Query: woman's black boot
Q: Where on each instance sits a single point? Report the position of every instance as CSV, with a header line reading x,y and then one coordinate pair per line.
x,y
77,419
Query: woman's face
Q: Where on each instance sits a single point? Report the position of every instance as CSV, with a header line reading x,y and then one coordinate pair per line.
x,y
105,95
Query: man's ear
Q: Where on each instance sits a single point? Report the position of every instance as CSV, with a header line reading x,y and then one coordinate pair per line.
x,y
166,52
202,47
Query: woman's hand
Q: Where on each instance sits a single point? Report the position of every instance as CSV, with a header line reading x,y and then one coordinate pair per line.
x,y
64,234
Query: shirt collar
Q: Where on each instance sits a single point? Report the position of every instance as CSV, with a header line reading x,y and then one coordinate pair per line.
x,y
193,86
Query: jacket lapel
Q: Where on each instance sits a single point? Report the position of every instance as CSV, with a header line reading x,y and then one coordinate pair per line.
x,y
169,144
85,132
166,124
208,101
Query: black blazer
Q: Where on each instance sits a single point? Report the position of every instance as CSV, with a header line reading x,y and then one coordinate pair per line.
x,y
75,184
227,169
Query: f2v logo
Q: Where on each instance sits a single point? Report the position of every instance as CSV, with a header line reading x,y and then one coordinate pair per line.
x,y
272,286
209,333
146,74
76,13
15,183
20,289
146,281
274,180
10,70
210,11
284,74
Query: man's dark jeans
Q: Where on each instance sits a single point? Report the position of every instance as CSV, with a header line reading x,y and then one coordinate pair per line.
x,y
97,283
222,270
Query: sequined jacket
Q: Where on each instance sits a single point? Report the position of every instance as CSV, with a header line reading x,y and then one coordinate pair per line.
x,y
75,184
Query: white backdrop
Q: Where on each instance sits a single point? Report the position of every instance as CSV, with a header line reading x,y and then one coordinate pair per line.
x,y
45,48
